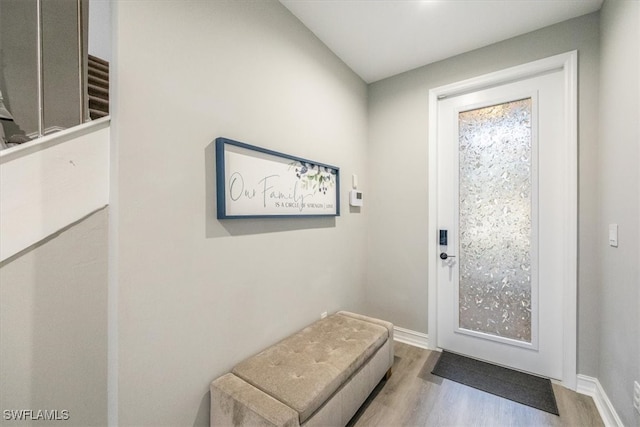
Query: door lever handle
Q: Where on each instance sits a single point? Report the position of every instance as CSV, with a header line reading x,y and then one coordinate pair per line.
x,y
444,255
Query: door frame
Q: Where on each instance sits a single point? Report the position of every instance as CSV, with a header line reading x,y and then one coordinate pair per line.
x,y
568,64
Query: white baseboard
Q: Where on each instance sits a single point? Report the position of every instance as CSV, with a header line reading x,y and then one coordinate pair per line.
x,y
407,336
586,385
592,387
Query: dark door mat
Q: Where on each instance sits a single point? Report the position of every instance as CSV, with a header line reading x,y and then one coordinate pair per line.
x,y
523,388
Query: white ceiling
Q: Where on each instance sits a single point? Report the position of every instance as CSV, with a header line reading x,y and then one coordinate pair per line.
x,y
381,38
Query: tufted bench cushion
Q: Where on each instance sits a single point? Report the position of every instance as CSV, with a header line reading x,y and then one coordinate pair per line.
x,y
305,369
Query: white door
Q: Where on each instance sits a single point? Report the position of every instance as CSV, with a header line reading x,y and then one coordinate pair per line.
x,y
502,219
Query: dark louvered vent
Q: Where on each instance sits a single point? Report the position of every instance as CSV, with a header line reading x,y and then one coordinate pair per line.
x,y
98,87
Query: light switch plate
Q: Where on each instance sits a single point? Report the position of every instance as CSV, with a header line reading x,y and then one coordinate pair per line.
x,y
613,235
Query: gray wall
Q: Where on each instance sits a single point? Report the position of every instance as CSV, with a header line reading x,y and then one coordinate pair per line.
x,y
398,131
53,326
618,189
197,295
100,29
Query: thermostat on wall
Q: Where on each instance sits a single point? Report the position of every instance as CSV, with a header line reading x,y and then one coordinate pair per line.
x,y
355,198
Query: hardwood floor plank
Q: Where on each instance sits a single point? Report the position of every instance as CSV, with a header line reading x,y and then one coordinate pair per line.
x,y
413,396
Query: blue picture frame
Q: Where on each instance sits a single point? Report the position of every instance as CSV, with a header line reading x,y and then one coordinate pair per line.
x,y
254,182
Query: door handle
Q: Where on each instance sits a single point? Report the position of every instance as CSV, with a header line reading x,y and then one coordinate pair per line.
x,y
443,255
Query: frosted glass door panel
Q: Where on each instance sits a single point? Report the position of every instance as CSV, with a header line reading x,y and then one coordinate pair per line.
x,y
495,220
503,155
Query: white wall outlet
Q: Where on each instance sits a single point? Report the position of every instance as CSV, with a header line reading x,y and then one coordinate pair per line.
x,y
636,396
323,314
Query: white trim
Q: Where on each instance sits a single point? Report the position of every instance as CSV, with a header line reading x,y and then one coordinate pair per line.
x,y
591,387
432,232
53,139
568,63
51,183
407,336
570,294
113,261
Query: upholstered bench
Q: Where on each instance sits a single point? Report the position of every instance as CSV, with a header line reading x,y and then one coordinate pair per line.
x,y
319,376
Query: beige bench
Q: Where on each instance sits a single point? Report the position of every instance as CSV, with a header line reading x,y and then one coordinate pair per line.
x,y
319,376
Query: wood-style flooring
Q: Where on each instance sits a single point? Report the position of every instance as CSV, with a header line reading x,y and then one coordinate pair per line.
x,y
415,397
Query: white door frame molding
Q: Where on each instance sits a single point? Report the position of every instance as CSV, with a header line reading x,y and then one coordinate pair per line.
x,y
568,63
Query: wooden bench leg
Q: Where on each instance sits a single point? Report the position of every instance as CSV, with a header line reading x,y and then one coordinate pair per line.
x,y
388,374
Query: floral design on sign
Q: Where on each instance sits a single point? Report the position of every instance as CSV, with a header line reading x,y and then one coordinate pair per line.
x,y
314,177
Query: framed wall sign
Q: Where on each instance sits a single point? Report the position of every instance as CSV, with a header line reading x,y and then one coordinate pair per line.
x,y
253,182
